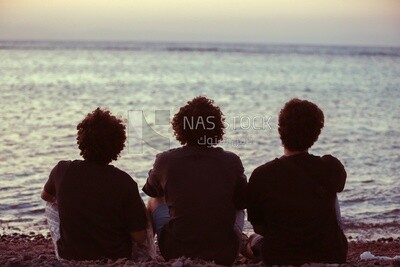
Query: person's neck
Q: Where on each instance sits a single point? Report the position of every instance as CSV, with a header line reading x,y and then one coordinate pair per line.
x,y
288,152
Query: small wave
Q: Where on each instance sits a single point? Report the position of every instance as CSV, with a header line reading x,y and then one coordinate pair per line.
x,y
363,225
8,188
16,206
193,49
393,212
23,174
353,200
18,220
33,212
383,54
367,181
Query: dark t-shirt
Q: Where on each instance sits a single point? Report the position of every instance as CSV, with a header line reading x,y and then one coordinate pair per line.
x,y
203,188
99,205
293,198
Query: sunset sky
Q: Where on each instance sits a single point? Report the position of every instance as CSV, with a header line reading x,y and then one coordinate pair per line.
x,y
337,22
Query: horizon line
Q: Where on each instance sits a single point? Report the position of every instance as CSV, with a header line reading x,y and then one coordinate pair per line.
x,y
201,42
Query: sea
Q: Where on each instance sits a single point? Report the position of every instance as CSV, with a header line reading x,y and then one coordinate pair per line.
x,y
47,88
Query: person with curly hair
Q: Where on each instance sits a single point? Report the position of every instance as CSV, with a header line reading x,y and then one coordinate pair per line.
x,y
198,190
292,201
99,208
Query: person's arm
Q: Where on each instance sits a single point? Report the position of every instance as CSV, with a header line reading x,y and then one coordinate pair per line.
x,y
153,186
254,205
337,170
47,197
135,212
49,190
139,236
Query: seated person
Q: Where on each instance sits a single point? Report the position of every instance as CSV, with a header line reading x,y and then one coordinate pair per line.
x,y
198,190
100,209
291,200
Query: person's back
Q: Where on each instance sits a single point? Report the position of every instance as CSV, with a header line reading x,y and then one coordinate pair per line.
x,y
200,183
198,190
291,200
92,201
99,207
298,203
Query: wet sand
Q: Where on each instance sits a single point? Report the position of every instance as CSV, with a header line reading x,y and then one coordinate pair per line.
x,y
37,250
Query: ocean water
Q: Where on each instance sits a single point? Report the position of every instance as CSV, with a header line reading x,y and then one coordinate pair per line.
x,y
48,87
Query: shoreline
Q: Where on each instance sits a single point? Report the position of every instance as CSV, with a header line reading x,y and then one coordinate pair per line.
x,y
37,250
354,231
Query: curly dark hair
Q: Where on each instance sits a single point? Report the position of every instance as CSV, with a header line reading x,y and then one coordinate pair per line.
x,y
101,136
199,122
300,123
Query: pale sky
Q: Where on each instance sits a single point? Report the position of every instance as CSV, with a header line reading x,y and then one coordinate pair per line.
x,y
331,22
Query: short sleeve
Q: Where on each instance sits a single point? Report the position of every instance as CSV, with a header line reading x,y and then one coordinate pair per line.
x,y
254,207
153,186
134,209
337,171
56,173
50,187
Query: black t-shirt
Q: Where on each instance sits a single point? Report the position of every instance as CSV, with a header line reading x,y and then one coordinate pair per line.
x,y
203,188
293,198
99,205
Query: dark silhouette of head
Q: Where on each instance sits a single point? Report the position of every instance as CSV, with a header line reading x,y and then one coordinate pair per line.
x,y
300,123
101,136
199,122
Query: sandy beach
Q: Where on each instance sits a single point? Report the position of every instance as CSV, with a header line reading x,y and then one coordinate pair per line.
x,y
37,250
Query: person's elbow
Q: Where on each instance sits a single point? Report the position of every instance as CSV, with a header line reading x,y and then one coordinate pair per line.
x,y
47,197
139,236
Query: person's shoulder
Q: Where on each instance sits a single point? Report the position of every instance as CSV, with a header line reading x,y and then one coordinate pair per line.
x,y
123,182
230,158
122,176
169,153
334,165
329,161
62,166
264,175
225,159
76,163
120,173
226,153
335,170
267,168
63,163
